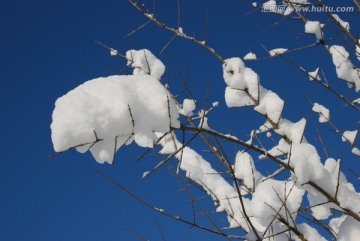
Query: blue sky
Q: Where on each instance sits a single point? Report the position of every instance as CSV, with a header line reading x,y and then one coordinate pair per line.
x,y
47,48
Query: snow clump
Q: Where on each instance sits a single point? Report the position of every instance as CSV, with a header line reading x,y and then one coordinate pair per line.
x,y
187,108
104,113
314,27
345,70
277,51
324,113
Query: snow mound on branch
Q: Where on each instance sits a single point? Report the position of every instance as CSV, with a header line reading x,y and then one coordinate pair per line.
x,y
275,198
250,56
244,90
349,230
271,105
310,233
324,113
344,24
245,170
314,27
187,108
145,63
306,162
277,51
349,136
314,75
105,113
345,70
244,81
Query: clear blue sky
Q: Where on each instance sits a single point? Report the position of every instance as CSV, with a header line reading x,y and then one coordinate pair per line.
x,y
47,48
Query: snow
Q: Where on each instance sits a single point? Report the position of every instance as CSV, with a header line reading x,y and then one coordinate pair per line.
x,y
358,50
250,56
104,109
148,15
335,223
349,136
349,230
355,151
344,24
282,148
245,170
314,27
243,83
324,113
345,70
203,120
306,162
310,234
104,113
293,131
244,90
327,177
113,52
314,75
356,101
237,76
270,105
145,63
277,51
187,108
201,172
268,200
237,98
